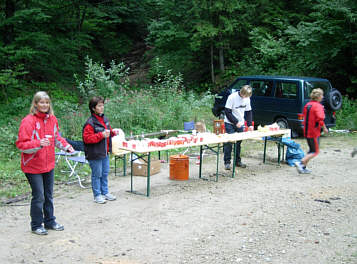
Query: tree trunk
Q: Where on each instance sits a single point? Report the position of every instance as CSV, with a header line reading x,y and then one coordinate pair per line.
x,y
9,28
81,19
212,65
221,59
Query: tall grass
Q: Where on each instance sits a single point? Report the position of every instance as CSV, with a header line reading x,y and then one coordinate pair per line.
x,y
138,111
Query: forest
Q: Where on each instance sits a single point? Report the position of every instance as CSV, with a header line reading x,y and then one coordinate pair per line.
x,y
45,43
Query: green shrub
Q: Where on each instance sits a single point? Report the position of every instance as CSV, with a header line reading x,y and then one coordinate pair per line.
x,y
71,117
346,117
99,81
8,136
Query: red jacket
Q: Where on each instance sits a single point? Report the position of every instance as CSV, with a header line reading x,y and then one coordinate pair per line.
x,y
34,158
314,116
92,137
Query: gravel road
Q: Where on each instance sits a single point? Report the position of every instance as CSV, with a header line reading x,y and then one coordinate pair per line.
x,y
268,213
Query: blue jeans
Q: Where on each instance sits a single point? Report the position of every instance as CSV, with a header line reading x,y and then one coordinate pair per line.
x,y
42,209
227,147
100,171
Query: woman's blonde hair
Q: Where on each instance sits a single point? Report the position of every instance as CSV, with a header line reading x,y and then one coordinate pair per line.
x,y
36,98
316,93
246,91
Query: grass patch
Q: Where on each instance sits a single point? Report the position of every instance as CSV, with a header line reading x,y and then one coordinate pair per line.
x,y
13,180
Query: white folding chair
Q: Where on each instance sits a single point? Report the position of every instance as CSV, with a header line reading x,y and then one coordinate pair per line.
x,y
73,160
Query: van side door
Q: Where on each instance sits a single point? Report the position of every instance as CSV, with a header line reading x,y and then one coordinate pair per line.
x,y
287,104
262,100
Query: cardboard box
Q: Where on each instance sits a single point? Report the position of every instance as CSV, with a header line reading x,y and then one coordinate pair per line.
x,y
140,169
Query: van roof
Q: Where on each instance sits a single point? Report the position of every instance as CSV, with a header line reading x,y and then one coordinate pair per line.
x,y
280,77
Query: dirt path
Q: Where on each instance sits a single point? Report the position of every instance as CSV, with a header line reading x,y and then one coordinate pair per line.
x,y
267,214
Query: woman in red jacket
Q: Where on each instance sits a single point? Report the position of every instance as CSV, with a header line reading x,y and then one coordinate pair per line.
x,y
38,135
314,115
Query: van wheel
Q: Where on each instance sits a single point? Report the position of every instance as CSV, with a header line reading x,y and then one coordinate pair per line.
x,y
282,122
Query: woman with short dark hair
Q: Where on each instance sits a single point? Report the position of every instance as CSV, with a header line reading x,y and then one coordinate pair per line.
x,y
97,138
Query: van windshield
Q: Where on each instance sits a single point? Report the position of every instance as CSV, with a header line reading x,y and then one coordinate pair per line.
x,y
309,86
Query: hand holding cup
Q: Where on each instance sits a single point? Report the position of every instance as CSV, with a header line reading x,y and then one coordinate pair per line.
x,y
45,142
106,133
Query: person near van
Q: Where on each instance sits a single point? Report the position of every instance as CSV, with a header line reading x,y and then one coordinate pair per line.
x,y
237,106
314,116
97,138
38,135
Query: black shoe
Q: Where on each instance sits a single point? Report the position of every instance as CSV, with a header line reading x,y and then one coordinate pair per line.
x,y
227,166
40,231
241,164
56,227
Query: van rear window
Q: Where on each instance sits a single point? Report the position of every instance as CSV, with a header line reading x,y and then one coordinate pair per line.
x,y
309,86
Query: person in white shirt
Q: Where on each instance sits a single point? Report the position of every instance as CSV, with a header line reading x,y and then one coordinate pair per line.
x,y
237,106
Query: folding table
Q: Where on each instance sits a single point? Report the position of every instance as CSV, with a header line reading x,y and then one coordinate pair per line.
x,y
217,144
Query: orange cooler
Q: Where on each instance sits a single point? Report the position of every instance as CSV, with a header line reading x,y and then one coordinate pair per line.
x,y
179,167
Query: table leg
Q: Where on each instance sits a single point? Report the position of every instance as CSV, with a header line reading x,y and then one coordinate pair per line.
x,y
279,146
218,146
282,158
265,148
115,165
148,174
200,169
131,172
124,165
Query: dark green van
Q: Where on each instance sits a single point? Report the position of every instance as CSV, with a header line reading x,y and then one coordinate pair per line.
x,y
281,99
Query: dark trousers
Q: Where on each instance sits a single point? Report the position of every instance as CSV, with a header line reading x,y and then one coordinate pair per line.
x,y
42,199
227,147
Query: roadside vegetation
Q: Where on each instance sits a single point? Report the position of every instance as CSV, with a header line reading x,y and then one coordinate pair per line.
x,y
137,110
163,105
158,63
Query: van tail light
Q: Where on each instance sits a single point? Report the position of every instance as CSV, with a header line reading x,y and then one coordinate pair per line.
x,y
334,114
300,117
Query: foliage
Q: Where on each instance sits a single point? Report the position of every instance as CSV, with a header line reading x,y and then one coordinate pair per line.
x,y
8,136
164,105
346,117
102,82
71,117
205,41
10,83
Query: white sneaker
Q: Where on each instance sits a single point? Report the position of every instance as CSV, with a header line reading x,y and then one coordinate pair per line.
x,y
109,197
299,167
306,171
99,199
